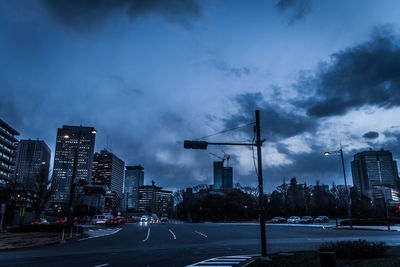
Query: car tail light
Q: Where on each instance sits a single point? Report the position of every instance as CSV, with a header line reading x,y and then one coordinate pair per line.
x,y
40,223
32,223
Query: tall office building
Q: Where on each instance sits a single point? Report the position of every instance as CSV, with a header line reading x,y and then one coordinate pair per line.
x,y
108,170
134,178
33,157
223,176
227,178
218,174
152,199
372,169
8,147
69,140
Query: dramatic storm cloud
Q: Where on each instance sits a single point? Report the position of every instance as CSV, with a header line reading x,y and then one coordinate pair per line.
x,y
371,135
365,74
276,121
132,70
92,13
298,8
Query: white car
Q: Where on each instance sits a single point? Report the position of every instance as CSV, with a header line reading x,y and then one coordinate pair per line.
x,y
99,219
144,219
294,219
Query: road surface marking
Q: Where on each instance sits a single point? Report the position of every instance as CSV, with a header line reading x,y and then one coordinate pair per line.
x,y
101,265
172,233
224,261
148,235
197,232
97,234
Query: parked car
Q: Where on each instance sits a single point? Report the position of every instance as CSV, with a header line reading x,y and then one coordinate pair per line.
x,y
307,219
278,220
294,219
99,219
321,219
39,222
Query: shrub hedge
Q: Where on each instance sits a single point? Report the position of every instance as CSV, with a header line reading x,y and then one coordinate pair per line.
x,y
365,222
355,249
43,228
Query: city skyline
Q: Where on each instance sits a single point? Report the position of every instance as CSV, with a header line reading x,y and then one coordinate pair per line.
x,y
150,79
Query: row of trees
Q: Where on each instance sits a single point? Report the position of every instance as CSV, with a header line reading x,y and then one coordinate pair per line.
x,y
288,199
31,196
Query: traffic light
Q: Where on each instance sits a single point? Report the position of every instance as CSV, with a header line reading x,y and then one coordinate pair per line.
x,y
398,208
195,144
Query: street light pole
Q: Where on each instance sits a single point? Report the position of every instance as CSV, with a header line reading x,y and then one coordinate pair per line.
x,y
347,190
70,223
340,151
260,187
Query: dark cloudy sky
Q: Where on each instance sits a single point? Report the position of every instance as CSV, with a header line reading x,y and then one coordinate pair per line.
x,y
150,74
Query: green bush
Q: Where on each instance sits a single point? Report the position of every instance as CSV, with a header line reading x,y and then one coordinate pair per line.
x,y
43,228
363,222
355,249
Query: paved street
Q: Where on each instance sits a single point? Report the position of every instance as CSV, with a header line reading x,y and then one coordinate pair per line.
x,y
170,244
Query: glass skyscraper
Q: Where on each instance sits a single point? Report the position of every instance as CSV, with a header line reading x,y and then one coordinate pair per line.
x,y
33,156
134,177
374,169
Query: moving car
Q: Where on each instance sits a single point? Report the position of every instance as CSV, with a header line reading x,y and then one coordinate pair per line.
x,y
307,219
278,220
321,219
61,221
144,219
39,222
99,219
121,219
113,222
294,219
164,218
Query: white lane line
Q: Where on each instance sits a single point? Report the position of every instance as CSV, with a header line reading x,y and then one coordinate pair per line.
x,y
220,262
197,232
227,260
172,233
101,265
148,235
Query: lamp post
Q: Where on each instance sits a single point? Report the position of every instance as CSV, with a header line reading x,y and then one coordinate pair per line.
x,y
203,145
70,222
340,152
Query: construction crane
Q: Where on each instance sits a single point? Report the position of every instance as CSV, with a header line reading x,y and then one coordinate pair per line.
x,y
225,157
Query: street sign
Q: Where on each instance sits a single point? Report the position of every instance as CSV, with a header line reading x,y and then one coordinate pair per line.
x,y
3,208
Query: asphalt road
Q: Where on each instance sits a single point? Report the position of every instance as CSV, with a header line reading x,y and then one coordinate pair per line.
x,y
168,244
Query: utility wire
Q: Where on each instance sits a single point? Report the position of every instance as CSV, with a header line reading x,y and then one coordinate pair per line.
x,y
224,131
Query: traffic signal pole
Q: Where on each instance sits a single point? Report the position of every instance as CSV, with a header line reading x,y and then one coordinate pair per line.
x,y
203,145
260,187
